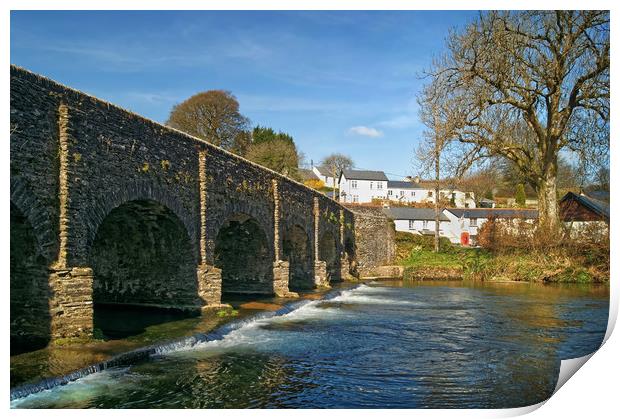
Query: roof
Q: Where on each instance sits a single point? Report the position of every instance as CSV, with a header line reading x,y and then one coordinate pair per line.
x,y
324,170
494,213
364,175
598,195
402,184
410,213
599,207
307,174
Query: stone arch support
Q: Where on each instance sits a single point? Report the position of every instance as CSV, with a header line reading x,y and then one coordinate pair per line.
x,y
221,211
245,257
143,256
45,229
135,191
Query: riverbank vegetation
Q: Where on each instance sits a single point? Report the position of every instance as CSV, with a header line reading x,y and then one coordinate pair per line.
x,y
540,258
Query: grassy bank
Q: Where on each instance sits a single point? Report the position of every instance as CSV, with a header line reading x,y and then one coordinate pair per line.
x,y
452,262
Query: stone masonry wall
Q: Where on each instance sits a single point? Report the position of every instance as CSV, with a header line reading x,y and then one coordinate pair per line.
x,y
75,158
374,239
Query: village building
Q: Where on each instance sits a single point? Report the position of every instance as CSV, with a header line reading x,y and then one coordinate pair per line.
x,y
362,186
417,220
579,212
326,175
406,192
414,190
465,223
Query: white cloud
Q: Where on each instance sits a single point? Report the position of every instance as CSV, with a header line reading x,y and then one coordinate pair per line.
x,y
365,131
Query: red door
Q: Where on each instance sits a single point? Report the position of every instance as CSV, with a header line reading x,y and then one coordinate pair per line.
x,y
465,238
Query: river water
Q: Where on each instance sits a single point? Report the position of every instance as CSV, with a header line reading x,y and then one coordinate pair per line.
x,y
389,344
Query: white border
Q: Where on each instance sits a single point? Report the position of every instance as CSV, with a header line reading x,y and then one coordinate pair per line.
x,y
592,393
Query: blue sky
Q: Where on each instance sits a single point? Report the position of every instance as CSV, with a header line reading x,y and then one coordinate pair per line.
x,y
336,81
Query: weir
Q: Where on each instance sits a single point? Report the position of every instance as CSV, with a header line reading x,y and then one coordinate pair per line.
x,y
144,354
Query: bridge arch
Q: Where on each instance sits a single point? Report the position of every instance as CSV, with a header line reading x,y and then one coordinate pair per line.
x,y
328,253
30,290
142,256
33,248
96,213
245,255
38,217
297,250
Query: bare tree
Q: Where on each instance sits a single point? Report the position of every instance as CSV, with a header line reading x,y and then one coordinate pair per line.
x,y
481,181
436,139
521,84
335,164
213,116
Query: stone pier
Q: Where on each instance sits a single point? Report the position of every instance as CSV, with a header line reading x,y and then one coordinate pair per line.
x,y
209,285
321,279
71,302
281,279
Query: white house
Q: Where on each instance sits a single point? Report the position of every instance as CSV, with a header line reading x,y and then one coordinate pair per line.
x,y
325,174
362,186
359,186
423,191
418,220
404,191
466,222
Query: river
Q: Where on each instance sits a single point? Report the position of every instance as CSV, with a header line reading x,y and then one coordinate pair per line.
x,y
390,344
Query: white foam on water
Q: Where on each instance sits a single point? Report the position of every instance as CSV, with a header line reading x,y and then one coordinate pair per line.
x,y
252,333
75,393
369,295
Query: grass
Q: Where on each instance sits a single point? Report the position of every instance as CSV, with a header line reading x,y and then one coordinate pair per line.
x,y
227,313
420,261
412,250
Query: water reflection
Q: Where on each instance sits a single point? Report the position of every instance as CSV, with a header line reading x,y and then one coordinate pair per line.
x,y
407,345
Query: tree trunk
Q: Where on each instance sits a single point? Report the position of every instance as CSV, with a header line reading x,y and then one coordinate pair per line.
x,y
548,199
437,153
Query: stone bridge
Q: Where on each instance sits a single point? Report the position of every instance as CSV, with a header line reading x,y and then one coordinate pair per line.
x,y
108,207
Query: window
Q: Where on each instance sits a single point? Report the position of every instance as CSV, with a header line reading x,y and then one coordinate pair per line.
x,y
412,193
411,225
473,222
430,194
379,185
354,184
371,185
425,224
402,193
389,192
355,198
